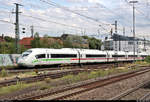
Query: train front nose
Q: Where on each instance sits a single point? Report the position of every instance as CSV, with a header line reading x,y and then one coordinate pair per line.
x,y
21,62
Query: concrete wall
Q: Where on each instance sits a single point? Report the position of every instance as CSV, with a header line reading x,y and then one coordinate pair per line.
x,y
8,59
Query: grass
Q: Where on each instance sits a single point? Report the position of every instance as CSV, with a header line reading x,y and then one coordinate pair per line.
x,y
142,63
3,73
94,74
8,67
12,88
30,73
44,86
68,79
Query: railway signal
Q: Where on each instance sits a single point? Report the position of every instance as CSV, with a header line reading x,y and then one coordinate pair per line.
x,y
23,30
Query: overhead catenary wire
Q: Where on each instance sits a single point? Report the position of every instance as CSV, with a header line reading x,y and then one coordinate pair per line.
x,y
32,5
41,19
26,25
137,10
61,24
93,19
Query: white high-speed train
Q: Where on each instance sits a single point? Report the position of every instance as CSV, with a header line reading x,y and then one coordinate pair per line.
x,y
45,56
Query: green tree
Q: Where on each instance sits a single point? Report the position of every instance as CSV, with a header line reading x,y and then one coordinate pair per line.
x,y
7,47
35,43
9,39
93,42
68,43
147,59
56,45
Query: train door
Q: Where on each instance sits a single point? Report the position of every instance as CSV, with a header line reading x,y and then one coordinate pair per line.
x,y
47,58
79,56
82,59
107,56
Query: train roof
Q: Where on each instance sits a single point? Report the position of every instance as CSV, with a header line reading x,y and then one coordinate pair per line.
x,y
49,50
118,53
69,50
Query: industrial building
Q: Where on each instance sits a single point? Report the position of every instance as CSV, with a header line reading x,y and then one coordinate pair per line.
x,y
125,43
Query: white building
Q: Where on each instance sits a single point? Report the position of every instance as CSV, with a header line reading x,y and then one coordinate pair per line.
x,y
124,43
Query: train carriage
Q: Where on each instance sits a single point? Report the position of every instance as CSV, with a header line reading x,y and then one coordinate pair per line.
x,y
130,56
45,56
91,56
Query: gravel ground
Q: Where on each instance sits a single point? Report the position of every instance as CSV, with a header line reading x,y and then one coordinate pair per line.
x,y
136,95
109,91
105,92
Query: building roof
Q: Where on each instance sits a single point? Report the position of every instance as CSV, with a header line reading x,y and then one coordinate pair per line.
x,y
26,41
125,38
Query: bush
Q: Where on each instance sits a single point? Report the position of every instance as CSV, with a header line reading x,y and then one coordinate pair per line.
x,y
68,79
48,80
93,74
44,86
3,73
147,59
82,76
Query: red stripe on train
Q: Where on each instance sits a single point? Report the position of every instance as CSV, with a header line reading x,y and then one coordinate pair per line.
x,y
102,58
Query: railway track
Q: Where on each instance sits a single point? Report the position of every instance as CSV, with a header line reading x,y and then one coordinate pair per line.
x,y
41,77
130,93
141,92
73,91
145,97
99,65
52,75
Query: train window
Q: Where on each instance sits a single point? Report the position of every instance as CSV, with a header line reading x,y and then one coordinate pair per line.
x,y
40,56
143,55
88,55
63,55
132,55
118,55
25,55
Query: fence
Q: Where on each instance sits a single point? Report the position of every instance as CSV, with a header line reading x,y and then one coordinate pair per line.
x,y
8,59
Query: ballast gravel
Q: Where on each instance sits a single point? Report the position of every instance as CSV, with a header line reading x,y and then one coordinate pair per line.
x,y
102,93
109,91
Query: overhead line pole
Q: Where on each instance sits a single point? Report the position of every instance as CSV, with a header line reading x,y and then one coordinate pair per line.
x,y
17,27
32,31
125,48
133,2
116,48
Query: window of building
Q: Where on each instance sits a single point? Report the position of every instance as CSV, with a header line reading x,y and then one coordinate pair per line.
x,y
63,55
88,55
143,55
40,56
130,42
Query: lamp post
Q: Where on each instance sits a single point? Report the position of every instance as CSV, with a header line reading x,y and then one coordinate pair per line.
x,y
133,2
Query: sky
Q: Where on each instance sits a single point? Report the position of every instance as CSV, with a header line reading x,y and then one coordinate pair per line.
x,y
79,17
